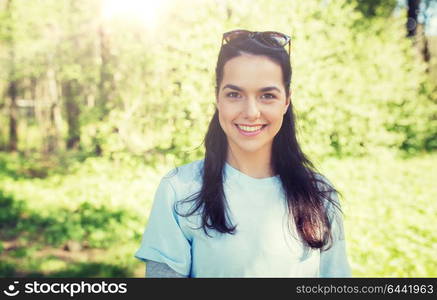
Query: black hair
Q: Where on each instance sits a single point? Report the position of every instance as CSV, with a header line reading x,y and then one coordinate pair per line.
x,y
305,188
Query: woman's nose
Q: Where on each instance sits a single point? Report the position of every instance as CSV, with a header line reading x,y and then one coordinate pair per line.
x,y
251,109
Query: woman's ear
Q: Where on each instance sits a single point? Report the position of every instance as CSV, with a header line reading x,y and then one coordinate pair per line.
x,y
287,103
216,102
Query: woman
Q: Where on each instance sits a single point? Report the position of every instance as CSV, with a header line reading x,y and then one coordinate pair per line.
x,y
254,206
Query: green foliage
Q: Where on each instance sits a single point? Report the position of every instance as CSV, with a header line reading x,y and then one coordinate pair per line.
x,y
355,89
95,227
88,206
375,8
388,204
6,269
358,85
360,90
9,210
389,214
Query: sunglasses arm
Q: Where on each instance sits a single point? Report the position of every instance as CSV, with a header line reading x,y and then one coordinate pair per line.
x,y
289,49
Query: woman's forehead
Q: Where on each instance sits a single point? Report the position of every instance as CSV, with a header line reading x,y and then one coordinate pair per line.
x,y
247,61
252,70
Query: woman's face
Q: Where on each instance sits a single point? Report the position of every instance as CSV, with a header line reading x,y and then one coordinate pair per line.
x,y
251,102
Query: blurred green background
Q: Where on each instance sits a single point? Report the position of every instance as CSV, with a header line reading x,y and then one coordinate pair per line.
x,y
100,98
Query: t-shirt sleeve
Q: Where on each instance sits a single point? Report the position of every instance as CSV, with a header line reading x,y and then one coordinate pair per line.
x,y
159,270
334,261
163,240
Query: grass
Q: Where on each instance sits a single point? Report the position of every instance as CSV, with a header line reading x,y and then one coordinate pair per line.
x,y
87,219
390,211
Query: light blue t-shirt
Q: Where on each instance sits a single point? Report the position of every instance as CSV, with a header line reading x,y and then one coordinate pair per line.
x,y
263,245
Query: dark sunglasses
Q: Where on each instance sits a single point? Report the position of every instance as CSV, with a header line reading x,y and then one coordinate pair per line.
x,y
271,39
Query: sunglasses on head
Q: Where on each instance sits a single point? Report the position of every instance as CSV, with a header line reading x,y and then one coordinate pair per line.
x,y
271,39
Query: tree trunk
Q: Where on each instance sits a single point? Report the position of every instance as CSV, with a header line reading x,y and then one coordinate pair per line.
x,y
13,115
54,119
70,92
106,83
426,52
12,88
70,85
413,10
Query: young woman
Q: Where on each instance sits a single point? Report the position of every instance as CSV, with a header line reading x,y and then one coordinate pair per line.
x,y
254,206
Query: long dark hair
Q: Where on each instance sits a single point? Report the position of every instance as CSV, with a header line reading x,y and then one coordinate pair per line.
x,y
305,188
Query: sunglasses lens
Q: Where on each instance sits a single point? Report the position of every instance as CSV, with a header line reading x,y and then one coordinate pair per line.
x,y
236,35
274,39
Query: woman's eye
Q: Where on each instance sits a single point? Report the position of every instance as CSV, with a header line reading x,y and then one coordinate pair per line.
x,y
270,96
236,95
232,94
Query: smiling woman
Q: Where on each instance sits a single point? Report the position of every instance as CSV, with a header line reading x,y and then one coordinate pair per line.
x,y
255,206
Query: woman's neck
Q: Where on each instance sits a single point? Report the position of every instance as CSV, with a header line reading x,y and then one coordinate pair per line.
x,y
254,164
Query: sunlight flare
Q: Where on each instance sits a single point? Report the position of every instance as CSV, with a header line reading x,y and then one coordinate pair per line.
x,y
145,12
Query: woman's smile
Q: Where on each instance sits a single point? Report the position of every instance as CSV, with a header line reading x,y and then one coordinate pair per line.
x,y
250,130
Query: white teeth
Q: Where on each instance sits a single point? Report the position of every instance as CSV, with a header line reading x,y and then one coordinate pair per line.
x,y
249,128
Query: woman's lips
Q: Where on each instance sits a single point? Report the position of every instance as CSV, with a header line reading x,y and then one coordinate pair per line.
x,y
250,133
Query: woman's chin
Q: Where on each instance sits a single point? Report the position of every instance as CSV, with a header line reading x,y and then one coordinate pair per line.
x,y
249,146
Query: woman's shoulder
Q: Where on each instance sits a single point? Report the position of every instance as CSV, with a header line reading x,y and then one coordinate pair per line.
x,y
326,187
323,183
185,175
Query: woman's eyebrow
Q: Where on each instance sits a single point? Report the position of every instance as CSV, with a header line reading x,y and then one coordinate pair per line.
x,y
264,89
